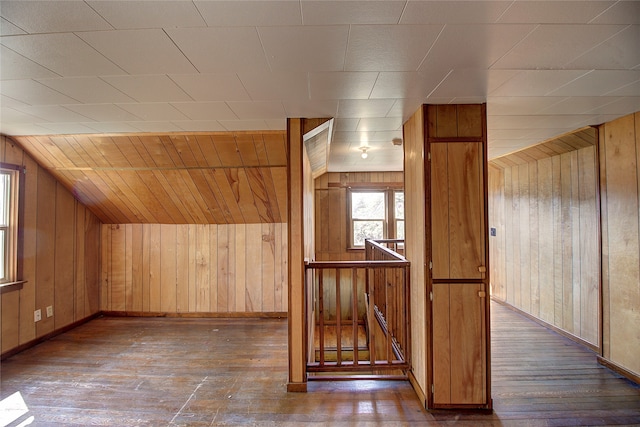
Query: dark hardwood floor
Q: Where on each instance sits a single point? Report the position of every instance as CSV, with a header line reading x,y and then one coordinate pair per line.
x,y
207,372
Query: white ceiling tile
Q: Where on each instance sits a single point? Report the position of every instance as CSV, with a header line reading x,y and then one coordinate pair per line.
x,y
249,13
364,107
15,128
474,46
53,16
535,122
632,89
8,29
258,110
351,12
520,105
386,136
68,128
6,101
87,90
267,86
554,46
147,51
345,85
380,124
211,87
621,12
64,53
156,127
622,51
103,112
453,12
148,88
536,82
499,136
620,107
146,14
205,111
345,125
597,82
238,125
352,138
16,66
114,127
308,48
11,115
210,50
308,108
54,113
199,125
389,47
579,105
409,84
154,111
276,124
463,83
556,11
33,93
406,107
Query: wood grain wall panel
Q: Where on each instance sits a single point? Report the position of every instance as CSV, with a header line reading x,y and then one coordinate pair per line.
x,y
151,268
159,178
550,216
620,180
60,257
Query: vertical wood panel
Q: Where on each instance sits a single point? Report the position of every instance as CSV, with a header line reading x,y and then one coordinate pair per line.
x,y
182,268
440,212
28,293
442,371
168,264
64,286
45,264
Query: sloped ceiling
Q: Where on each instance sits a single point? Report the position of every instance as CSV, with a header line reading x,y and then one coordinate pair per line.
x,y
223,178
544,68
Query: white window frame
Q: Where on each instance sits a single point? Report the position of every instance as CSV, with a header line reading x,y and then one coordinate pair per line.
x,y
10,197
389,228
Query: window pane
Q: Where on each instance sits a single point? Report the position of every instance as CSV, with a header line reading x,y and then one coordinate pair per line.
x,y
5,187
366,230
399,204
400,230
367,205
3,258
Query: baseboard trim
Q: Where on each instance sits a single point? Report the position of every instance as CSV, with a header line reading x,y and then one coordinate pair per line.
x,y
232,315
631,376
555,329
416,387
46,337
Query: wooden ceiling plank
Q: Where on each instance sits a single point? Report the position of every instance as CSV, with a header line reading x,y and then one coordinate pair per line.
x,y
227,151
88,194
35,150
208,149
191,196
183,145
104,193
261,150
165,179
280,183
165,195
120,196
129,151
260,194
112,152
211,202
246,199
156,149
247,150
272,196
209,175
138,194
144,155
55,156
276,146
228,186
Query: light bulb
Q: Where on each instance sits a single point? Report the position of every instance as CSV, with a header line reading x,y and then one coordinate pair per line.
x,y
364,154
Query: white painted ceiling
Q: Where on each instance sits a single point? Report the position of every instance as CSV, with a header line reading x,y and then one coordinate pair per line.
x,y
543,67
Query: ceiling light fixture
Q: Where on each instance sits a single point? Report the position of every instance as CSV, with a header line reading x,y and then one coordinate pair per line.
x,y
364,154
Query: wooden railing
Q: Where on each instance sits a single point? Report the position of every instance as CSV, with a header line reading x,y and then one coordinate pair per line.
x,y
358,313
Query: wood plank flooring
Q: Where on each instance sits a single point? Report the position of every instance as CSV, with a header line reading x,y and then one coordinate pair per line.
x,y
208,372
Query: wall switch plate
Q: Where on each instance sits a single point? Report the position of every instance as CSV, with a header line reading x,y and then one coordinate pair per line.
x,y
49,311
37,315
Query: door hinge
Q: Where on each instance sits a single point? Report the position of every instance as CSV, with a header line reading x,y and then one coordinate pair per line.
x,y
433,389
431,295
429,156
430,265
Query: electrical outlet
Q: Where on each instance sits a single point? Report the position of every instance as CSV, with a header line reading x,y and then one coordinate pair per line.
x,y
49,311
37,315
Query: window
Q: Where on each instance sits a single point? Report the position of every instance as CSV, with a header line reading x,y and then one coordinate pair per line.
x,y
375,214
9,186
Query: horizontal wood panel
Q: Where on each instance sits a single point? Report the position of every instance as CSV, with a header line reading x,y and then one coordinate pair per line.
x,y
545,252
215,178
194,268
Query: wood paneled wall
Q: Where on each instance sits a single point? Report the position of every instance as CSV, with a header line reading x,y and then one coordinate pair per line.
x,y
60,261
331,227
619,184
415,248
545,256
194,268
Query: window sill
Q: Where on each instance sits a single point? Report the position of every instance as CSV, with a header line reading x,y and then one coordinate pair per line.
x,y
11,286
